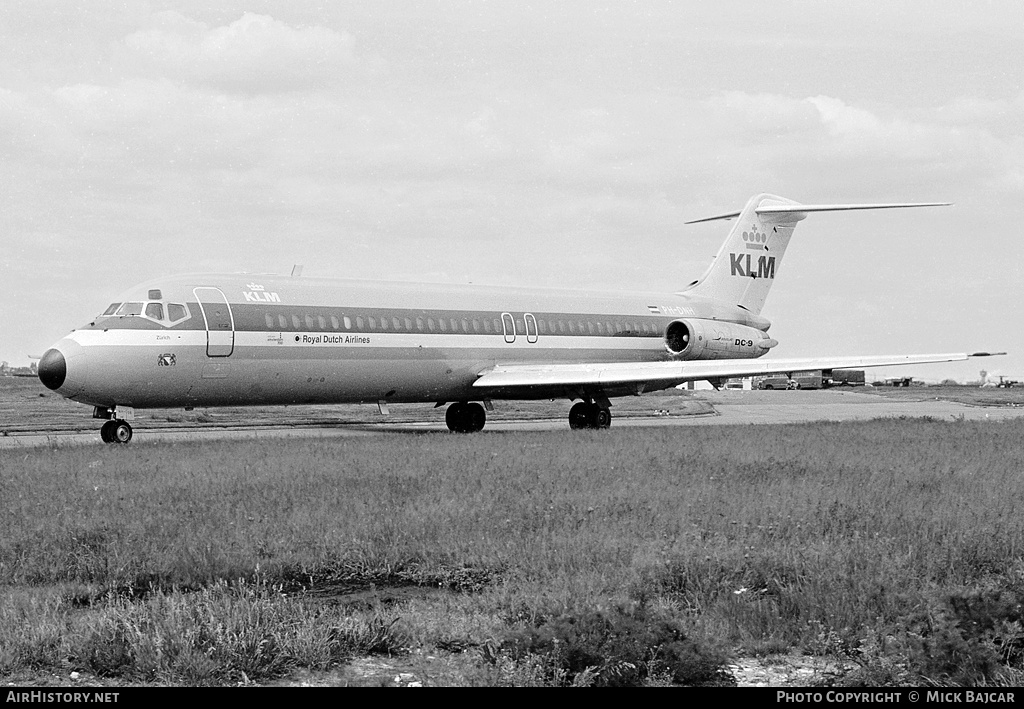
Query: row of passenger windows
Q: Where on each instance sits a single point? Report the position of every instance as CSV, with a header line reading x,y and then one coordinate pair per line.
x,y
366,323
176,312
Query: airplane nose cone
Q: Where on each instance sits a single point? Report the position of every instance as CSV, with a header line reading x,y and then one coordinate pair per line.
x,y
53,369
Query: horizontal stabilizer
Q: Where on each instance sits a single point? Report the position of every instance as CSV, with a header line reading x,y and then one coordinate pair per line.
x,y
805,208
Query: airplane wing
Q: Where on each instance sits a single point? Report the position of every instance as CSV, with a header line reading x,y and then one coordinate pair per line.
x,y
665,374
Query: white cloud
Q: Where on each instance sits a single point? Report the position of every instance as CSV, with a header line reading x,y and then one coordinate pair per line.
x,y
254,53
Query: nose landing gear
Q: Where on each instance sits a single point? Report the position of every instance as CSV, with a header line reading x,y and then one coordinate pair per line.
x,y
116,431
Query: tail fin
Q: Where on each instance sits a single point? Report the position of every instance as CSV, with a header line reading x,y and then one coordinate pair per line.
x,y
746,265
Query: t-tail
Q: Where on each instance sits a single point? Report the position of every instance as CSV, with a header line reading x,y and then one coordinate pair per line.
x,y
749,260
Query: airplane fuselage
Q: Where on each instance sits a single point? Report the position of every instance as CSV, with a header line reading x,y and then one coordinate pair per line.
x,y
229,339
251,340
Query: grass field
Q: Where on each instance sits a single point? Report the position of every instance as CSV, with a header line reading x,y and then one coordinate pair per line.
x,y
629,556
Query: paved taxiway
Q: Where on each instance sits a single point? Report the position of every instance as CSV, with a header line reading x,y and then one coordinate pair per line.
x,y
731,407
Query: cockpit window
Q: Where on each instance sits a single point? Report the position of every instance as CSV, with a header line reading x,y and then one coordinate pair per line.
x,y
176,312
112,309
155,311
130,309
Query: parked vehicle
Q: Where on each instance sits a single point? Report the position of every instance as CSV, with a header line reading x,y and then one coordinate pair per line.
x,y
847,377
776,382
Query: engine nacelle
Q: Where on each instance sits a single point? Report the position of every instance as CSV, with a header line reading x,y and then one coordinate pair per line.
x,y
711,339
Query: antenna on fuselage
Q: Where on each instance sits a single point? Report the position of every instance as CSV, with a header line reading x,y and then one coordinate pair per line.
x,y
296,270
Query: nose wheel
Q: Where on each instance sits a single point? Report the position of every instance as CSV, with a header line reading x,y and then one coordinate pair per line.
x,y
116,431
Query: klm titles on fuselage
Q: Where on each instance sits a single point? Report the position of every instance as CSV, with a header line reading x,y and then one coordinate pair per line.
x,y
258,294
332,339
744,265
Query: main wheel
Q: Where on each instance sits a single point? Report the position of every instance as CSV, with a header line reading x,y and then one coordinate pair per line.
x,y
455,418
600,417
579,416
475,417
465,418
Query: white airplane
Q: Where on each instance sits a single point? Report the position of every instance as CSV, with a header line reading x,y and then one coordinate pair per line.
x,y
230,339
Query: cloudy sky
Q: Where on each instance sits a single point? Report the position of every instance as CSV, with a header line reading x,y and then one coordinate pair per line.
x,y
516,142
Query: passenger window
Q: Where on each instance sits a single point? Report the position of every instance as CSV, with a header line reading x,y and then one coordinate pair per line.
x,y
543,326
282,322
296,323
334,322
465,325
383,323
487,325
321,322
476,325
112,309
408,324
359,322
155,311
572,327
176,312
309,322
497,326
455,325
430,324
519,325
443,324
268,317
419,324
347,321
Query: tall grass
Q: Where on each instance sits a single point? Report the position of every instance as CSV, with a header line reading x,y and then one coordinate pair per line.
x,y
762,537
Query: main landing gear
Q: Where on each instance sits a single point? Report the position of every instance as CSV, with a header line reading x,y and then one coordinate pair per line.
x,y
116,431
465,417
584,415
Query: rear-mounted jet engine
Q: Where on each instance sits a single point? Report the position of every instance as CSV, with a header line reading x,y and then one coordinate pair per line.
x,y
710,339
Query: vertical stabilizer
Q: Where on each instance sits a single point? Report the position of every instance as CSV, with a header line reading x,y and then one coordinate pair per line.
x,y
749,260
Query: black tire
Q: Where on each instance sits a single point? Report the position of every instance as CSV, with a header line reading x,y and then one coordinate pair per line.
x,y
105,431
600,417
579,416
120,432
455,418
475,417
